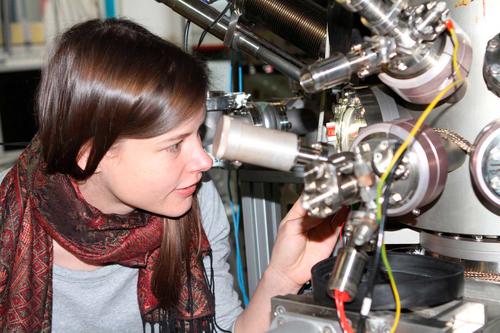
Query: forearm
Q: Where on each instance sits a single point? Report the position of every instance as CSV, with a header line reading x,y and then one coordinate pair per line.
x,y
257,315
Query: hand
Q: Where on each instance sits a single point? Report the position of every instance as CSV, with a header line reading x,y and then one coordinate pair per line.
x,y
302,241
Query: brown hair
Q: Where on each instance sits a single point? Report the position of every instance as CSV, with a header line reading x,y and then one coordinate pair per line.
x,y
111,79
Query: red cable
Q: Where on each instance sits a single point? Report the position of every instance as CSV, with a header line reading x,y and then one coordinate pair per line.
x,y
449,24
340,298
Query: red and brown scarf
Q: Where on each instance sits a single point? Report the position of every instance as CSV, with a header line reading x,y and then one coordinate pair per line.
x,y
36,208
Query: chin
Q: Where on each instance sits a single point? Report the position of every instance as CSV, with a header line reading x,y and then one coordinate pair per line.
x,y
176,209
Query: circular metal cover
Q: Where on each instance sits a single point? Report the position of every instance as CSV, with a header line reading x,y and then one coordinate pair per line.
x,y
491,67
484,165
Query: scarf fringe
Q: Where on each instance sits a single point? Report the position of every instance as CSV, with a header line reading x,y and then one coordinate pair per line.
x,y
168,323
199,325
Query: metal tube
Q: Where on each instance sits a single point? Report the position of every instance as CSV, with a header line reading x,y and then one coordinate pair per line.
x,y
203,15
348,271
236,141
326,73
330,72
379,15
298,21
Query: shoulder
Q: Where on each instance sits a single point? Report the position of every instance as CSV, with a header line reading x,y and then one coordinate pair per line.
x,y
207,190
212,211
3,173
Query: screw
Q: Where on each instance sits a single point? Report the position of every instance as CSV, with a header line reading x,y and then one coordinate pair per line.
x,y
416,212
280,309
327,329
402,66
236,164
478,238
396,197
494,69
495,183
363,73
493,43
356,48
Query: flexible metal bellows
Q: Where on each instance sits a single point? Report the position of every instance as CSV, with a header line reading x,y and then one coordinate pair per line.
x,y
299,22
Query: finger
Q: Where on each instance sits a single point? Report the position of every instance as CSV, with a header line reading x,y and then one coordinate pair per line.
x,y
331,224
297,211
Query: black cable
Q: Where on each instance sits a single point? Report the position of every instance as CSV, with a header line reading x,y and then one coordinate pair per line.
x,y
186,35
217,19
372,274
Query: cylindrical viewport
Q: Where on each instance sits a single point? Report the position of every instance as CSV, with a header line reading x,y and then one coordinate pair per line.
x,y
237,141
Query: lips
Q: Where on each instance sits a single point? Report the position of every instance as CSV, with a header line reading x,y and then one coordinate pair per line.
x,y
187,191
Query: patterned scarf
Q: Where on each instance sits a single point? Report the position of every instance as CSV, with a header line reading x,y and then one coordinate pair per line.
x,y
37,208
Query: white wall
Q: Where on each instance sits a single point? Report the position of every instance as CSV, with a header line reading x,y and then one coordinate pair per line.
x,y
155,16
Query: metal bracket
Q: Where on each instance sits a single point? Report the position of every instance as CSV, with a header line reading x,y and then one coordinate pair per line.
x,y
232,35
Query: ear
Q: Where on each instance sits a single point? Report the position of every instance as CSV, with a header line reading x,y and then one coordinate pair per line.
x,y
83,155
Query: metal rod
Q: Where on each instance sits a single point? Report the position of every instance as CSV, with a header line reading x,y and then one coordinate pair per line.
x,y
203,15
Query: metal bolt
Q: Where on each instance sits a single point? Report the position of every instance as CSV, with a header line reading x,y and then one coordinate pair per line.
x,y
383,145
236,164
395,198
495,154
327,329
416,212
280,309
356,48
419,9
402,66
493,43
494,69
478,238
495,183
363,73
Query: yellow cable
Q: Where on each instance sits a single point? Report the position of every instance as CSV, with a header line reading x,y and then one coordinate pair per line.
x,y
394,289
401,150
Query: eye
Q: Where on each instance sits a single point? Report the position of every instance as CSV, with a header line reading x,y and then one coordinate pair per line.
x,y
174,148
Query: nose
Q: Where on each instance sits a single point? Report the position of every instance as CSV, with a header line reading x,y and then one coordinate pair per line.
x,y
201,160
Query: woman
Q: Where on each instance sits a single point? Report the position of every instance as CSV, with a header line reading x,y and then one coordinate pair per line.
x,y
106,191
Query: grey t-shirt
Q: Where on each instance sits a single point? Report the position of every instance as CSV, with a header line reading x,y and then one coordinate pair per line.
x,y
105,300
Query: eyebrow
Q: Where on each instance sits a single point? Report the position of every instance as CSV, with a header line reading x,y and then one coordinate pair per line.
x,y
175,138
180,136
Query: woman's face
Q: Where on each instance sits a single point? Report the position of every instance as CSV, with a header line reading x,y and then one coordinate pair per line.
x,y
158,174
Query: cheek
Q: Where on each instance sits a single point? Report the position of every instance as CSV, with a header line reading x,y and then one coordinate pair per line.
x,y
146,180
